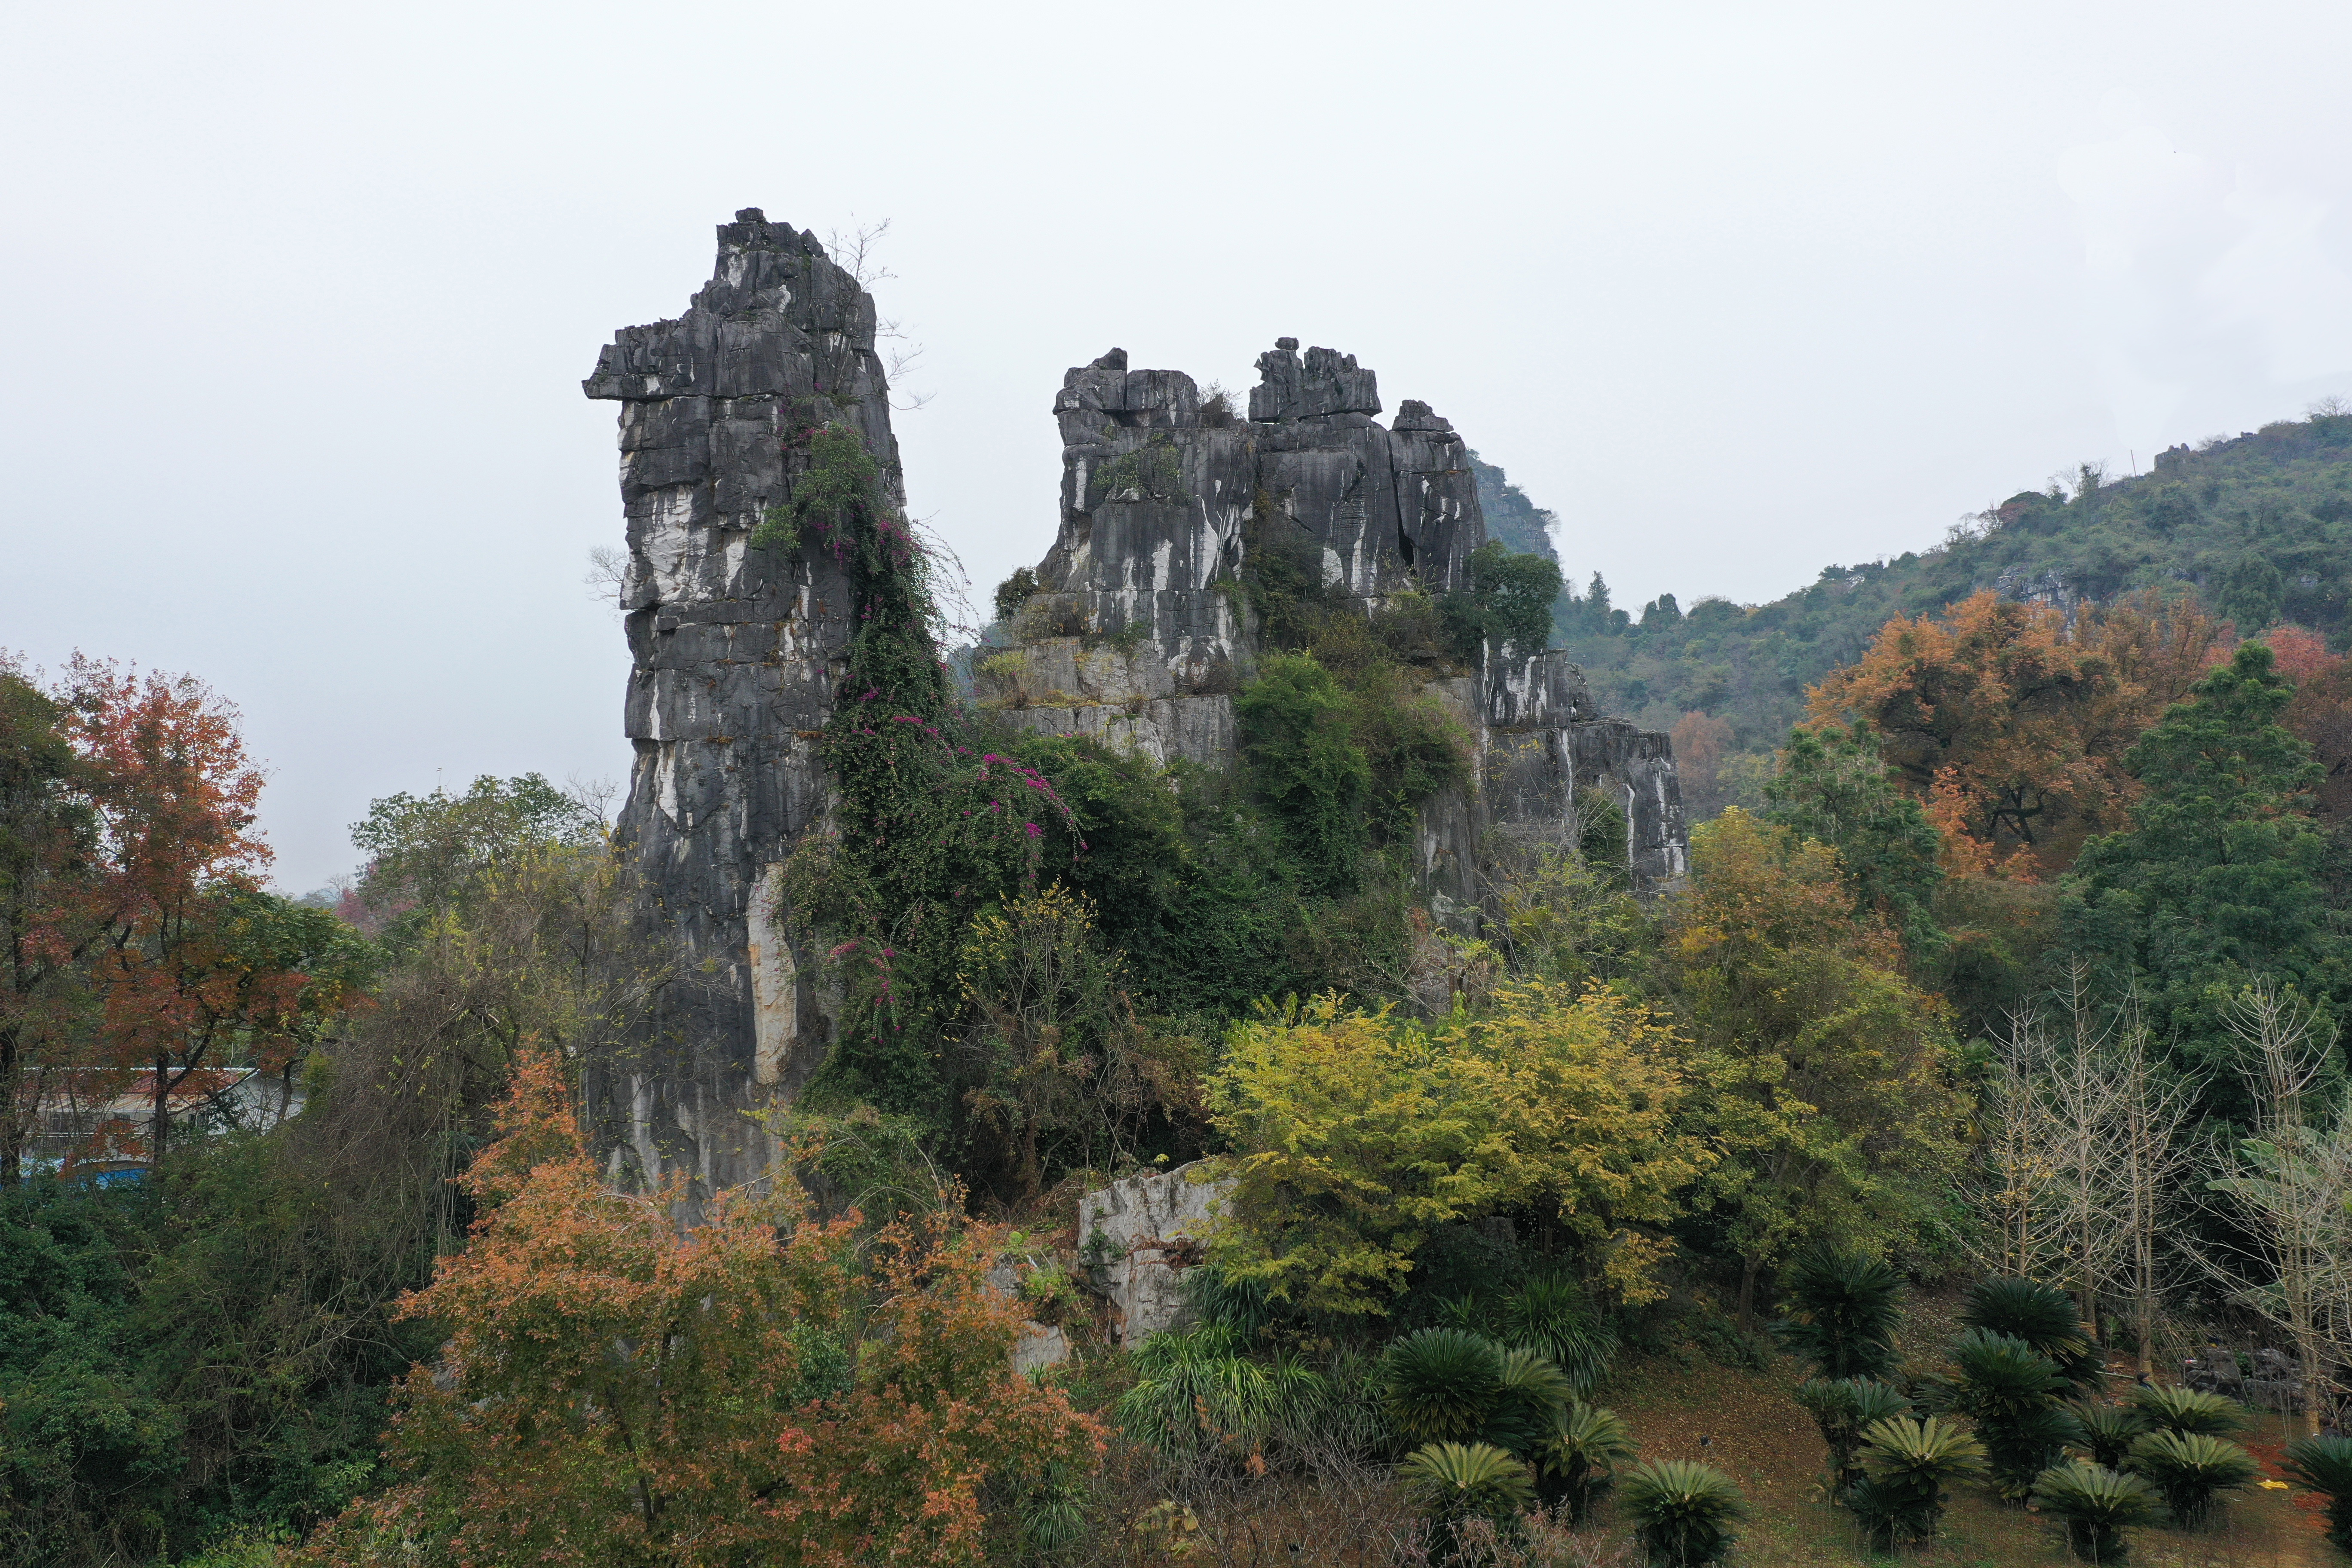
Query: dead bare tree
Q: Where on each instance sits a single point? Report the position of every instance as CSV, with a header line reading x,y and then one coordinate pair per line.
x,y
2288,1186
857,251
2154,1115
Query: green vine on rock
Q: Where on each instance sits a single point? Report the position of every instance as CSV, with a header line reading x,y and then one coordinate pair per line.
x,y
928,828
831,496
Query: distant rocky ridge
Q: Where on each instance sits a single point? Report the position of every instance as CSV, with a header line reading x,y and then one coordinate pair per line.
x,y
1136,638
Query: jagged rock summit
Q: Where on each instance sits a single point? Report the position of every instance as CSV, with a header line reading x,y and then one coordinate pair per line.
x,y
1139,635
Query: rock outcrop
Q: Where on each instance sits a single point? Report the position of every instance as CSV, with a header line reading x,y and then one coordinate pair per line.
x,y
1137,637
735,656
1137,633
1138,1237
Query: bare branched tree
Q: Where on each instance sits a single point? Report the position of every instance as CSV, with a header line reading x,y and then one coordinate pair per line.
x,y
857,251
2287,1187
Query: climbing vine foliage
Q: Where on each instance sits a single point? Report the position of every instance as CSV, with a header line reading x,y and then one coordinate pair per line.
x,y
930,827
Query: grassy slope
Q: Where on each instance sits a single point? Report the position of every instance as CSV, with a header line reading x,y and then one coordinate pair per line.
x,y
1769,1446
2259,527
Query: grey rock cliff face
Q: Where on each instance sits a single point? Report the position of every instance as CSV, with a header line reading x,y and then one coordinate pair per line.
x,y
1137,637
735,656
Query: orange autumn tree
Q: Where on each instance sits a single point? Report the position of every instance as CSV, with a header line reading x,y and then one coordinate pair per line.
x,y
753,1387
2321,713
2010,725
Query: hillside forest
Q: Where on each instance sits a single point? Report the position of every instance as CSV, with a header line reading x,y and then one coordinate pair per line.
x,y
1958,1165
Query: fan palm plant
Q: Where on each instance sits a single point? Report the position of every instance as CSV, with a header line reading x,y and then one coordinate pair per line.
x,y
2192,1469
2043,1317
1581,1458
1681,1513
1843,1311
2187,1410
2012,1391
1906,1464
1450,1482
2095,1505
2323,1465
1549,1314
1440,1385
1529,1399
2109,1430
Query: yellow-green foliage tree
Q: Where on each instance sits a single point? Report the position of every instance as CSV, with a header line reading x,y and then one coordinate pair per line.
x,y
1820,1074
1357,1133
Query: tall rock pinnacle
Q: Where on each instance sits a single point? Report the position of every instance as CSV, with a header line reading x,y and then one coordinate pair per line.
x,y
735,656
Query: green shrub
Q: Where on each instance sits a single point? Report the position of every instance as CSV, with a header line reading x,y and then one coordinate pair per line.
x,y
1506,600
1581,1458
1013,592
2162,1409
2095,1505
1198,1394
1843,1311
1300,744
1683,1513
2192,1469
1549,1314
1906,1464
1440,1385
2323,1465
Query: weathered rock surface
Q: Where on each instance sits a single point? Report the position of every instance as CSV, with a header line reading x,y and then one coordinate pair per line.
x,y
1137,634
734,653
1137,639
1150,1230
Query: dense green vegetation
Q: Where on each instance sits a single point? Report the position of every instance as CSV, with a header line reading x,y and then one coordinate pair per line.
x,y
2259,527
2023,976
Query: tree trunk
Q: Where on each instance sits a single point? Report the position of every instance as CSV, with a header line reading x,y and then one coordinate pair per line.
x,y
1747,1271
163,1125
12,1149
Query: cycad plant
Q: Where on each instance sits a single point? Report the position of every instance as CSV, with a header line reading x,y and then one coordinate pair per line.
x,y
1844,1308
1841,1408
2044,1318
2096,1505
1451,1482
2323,1465
1580,1457
2108,1430
2191,1470
1529,1399
1196,1392
1683,1513
1438,1385
2165,1409
1906,1464
2012,1391
1549,1314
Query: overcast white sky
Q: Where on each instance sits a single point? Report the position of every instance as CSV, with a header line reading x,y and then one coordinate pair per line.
x,y
300,296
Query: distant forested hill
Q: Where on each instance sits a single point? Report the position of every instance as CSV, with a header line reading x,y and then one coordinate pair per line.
x,y
2260,528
